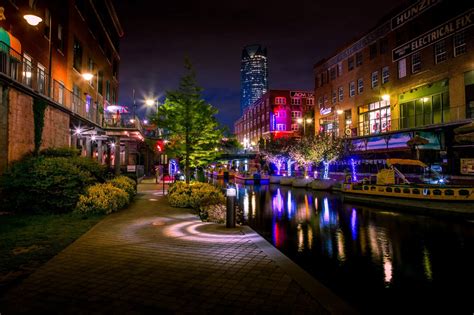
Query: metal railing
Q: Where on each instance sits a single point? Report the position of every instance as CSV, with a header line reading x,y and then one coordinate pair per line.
x,y
25,70
122,121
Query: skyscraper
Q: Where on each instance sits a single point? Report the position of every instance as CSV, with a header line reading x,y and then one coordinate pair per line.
x,y
253,75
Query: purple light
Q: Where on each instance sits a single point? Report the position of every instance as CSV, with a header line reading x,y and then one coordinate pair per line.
x,y
354,174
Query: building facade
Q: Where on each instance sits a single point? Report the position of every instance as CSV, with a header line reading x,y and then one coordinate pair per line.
x,y
411,75
253,75
278,113
46,64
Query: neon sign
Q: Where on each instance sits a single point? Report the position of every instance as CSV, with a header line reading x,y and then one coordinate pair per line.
x,y
325,111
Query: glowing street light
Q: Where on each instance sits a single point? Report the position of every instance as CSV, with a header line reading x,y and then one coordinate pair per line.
x,y
304,122
87,76
339,111
32,19
386,97
149,102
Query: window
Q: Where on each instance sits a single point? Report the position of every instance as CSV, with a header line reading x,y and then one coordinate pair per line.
x,y
41,79
350,63
373,51
339,69
351,89
433,109
334,96
77,55
107,90
348,119
360,86
385,74
459,41
375,79
295,101
60,37
280,127
440,51
341,93
320,102
326,101
374,118
295,114
358,59
60,92
383,45
294,127
100,83
310,101
332,73
402,68
416,62
27,70
280,100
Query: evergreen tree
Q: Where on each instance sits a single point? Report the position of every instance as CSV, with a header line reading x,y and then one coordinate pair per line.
x,y
190,124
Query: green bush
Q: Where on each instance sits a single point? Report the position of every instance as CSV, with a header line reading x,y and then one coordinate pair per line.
x,y
195,195
102,199
179,195
60,152
98,171
126,184
43,185
213,213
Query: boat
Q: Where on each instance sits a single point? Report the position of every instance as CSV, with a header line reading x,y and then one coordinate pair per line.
x,y
393,183
252,179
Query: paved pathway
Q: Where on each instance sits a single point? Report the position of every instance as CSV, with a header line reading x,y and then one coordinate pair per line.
x,y
152,258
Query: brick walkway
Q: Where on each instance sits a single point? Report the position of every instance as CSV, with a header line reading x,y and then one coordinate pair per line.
x,y
153,258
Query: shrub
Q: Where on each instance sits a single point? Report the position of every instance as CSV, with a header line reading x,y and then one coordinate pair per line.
x,y
213,213
126,184
60,152
43,184
194,195
98,171
102,199
179,195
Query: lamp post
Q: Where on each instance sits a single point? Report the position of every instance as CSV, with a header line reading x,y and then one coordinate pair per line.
x,y
33,20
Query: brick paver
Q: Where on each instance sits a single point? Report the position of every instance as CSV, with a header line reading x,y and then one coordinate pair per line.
x,y
152,258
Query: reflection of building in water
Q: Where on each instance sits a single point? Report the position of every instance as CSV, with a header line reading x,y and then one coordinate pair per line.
x,y
427,264
341,255
254,206
381,249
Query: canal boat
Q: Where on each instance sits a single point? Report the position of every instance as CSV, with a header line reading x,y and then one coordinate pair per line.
x,y
252,179
392,183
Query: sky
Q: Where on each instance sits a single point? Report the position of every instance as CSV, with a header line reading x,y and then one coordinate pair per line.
x,y
297,34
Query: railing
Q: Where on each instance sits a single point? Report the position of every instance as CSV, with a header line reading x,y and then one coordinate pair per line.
x,y
122,121
25,70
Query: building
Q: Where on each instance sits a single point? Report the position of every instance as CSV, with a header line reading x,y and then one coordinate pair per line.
x,y
278,113
69,63
411,75
253,75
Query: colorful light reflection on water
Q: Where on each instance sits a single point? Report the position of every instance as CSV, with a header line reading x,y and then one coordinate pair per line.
x,y
379,261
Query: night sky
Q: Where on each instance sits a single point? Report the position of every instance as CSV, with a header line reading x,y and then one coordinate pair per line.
x,y
297,34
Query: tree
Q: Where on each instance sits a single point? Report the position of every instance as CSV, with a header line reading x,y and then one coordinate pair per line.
x,y
276,151
190,124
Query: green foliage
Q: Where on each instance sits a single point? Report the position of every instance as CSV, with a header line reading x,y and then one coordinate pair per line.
x,y
39,107
191,124
60,152
230,145
102,199
276,151
194,195
98,171
126,184
44,185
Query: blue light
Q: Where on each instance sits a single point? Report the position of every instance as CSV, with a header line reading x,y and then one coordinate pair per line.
x,y
326,170
354,173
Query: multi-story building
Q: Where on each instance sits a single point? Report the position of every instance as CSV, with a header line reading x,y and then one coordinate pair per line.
x,y
253,75
411,75
68,61
278,113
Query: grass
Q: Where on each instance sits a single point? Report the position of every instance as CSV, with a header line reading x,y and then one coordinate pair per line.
x,y
28,241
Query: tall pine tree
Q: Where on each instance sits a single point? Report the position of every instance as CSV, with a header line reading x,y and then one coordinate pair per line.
x,y
190,123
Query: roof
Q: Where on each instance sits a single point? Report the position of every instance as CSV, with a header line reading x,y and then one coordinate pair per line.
x,y
405,162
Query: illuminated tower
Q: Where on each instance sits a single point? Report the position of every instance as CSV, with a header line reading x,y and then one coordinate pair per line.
x,y
253,75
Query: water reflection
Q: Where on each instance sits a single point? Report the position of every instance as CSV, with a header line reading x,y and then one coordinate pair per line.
x,y
372,258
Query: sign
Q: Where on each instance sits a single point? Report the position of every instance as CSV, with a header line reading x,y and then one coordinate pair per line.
x,y
131,168
301,94
436,34
412,12
325,111
467,166
231,192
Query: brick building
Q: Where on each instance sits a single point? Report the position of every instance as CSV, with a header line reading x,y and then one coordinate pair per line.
x,y
46,63
412,74
278,113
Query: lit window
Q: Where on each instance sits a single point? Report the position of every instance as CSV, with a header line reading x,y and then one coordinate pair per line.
x,y
402,68
375,79
295,101
351,89
341,93
295,114
281,127
280,100
310,101
440,51
459,41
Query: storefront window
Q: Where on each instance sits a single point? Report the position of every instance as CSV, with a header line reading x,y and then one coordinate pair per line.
x,y
374,118
433,109
329,125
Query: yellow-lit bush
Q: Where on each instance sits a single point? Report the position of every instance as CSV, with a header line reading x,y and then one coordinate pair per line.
x,y
125,183
103,199
195,195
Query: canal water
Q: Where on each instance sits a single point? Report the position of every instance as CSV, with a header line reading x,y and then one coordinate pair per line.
x,y
378,260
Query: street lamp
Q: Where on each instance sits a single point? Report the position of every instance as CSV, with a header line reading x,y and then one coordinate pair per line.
x,y
304,122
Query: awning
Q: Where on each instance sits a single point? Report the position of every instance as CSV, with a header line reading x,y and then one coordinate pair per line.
x,y
10,43
405,162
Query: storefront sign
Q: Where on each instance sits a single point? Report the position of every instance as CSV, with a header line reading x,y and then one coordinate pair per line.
x,y
325,111
412,12
131,168
459,23
467,166
301,94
